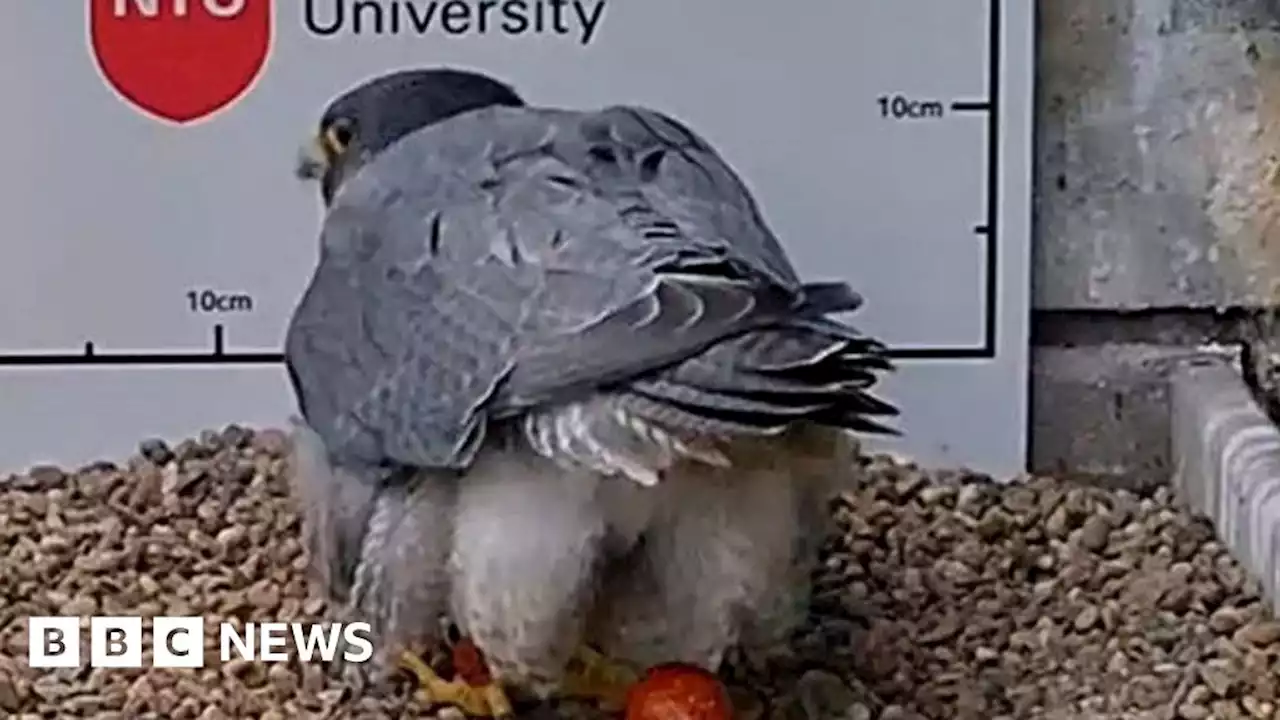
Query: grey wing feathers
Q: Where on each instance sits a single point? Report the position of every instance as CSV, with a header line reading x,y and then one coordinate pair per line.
x,y
682,191
705,225
514,258
766,380
336,507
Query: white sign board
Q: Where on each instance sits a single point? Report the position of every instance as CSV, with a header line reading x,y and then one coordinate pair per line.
x,y
150,266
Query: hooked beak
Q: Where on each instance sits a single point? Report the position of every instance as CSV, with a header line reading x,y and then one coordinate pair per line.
x,y
313,160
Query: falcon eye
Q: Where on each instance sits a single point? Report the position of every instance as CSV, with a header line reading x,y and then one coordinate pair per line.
x,y
338,135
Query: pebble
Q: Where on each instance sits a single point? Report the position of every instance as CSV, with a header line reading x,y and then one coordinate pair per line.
x,y
1096,533
1262,634
156,450
1087,618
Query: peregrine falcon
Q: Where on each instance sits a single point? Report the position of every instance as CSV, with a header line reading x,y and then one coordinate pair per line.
x,y
560,383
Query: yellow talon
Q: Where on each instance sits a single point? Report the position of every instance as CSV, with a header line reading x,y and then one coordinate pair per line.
x,y
496,698
593,676
485,701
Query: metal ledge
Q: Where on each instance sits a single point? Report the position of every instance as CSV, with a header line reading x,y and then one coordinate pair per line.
x,y
1226,455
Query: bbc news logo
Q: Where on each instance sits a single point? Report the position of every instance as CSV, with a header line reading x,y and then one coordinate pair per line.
x,y
178,642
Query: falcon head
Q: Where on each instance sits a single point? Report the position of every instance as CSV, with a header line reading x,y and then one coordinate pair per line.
x,y
366,119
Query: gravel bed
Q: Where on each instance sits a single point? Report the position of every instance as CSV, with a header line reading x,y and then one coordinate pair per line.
x,y
942,596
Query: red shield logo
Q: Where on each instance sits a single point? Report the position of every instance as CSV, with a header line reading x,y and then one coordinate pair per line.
x,y
180,60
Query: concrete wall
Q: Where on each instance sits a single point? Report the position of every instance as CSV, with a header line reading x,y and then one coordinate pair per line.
x,y
1158,181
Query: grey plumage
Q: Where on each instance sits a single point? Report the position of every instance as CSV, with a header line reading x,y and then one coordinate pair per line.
x,y
516,313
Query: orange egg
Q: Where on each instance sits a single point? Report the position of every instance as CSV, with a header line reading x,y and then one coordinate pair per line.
x,y
469,664
678,692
